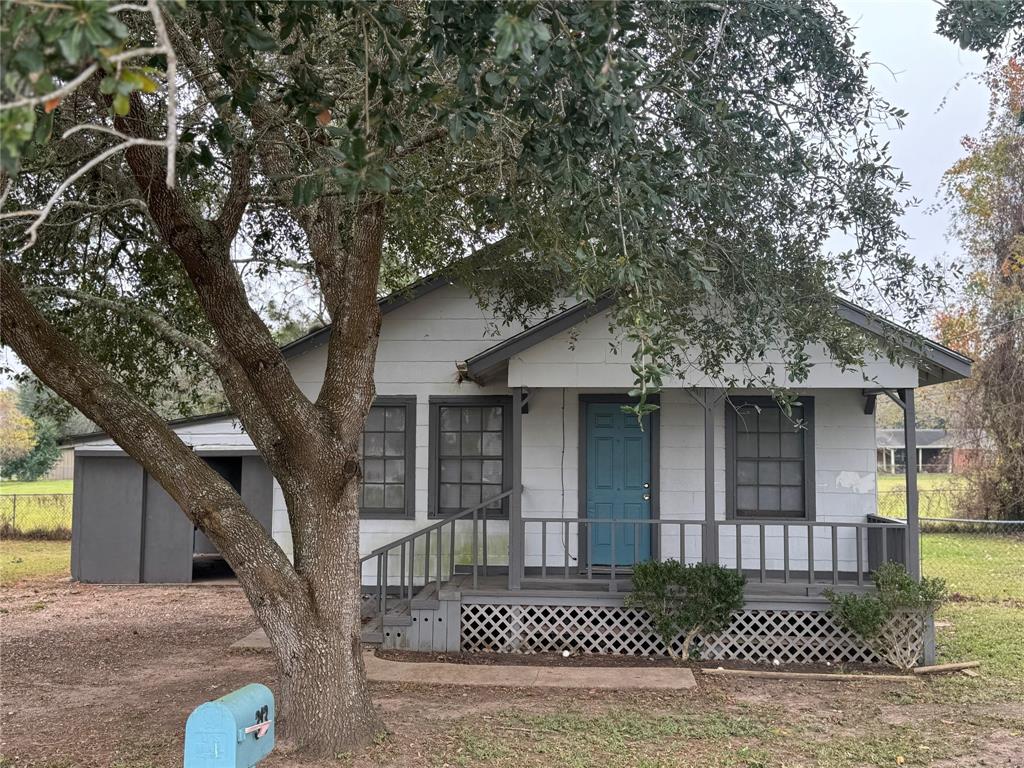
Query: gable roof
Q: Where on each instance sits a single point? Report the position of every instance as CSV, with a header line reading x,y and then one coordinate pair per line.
x,y
936,363
389,303
940,364
926,438
184,421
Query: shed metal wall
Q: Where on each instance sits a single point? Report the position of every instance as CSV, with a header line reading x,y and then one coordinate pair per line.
x,y
126,529
106,520
167,538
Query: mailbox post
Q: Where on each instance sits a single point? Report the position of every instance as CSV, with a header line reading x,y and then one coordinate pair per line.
x,y
234,731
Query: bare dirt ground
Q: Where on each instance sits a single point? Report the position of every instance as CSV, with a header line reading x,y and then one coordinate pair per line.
x,y
105,676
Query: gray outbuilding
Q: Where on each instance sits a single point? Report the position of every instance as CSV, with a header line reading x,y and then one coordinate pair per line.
x,y
126,529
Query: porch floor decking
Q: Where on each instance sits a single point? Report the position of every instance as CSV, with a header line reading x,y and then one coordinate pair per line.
x,y
580,588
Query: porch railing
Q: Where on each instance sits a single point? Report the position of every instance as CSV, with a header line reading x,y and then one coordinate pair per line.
x,y
435,565
767,552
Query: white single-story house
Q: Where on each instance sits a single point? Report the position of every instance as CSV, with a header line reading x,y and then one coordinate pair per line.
x,y
507,495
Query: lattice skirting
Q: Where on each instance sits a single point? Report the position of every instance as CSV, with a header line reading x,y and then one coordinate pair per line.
x,y
757,635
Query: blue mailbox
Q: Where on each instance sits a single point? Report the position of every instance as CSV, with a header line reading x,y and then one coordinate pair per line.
x,y
234,731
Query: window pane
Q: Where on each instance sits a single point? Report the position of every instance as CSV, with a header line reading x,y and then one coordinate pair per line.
x,y
449,443
768,499
746,472
768,473
394,444
450,470
746,445
492,444
375,420
746,497
470,495
792,473
471,419
395,419
450,419
373,444
489,492
470,443
768,445
793,499
471,448
373,495
394,470
470,471
449,496
772,486
491,472
793,444
394,496
492,418
373,471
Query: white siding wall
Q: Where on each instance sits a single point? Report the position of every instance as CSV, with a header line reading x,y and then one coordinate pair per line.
x,y
590,355
422,342
419,347
844,478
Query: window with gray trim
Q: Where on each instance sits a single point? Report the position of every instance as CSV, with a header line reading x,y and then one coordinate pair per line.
x,y
770,462
388,457
470,452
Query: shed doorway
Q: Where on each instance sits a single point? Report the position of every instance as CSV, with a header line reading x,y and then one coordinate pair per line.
x,y
207,562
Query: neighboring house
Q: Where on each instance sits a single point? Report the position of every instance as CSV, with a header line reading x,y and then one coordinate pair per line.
x,y
938,450
506,494
64,467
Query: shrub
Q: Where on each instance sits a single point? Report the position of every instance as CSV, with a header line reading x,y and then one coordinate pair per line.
x,y
881,618
685,599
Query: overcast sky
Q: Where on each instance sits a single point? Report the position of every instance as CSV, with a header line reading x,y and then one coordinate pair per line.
x,y
929,77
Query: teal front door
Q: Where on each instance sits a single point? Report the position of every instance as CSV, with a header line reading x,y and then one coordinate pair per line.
x,y
618,485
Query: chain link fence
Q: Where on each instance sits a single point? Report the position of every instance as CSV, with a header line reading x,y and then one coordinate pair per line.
x,y
980,560
933,502
35,516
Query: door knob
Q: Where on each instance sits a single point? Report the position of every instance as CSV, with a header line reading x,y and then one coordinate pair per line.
x,y
647,485
647,497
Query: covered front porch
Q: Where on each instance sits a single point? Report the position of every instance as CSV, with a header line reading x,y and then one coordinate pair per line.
x,y
530,569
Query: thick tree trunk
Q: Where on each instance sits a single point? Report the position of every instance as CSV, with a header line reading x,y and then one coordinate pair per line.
x,y
325,702
325,699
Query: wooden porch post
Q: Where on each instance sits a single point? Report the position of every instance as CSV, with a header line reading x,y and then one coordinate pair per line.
x,y
709,539
516,554
913,523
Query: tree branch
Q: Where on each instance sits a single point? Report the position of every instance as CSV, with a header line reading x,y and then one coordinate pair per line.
x,y
205,497
206,259
237,198
157,322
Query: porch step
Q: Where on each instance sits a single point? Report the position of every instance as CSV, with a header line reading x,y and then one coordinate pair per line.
x,y
372,633
398,615
426,599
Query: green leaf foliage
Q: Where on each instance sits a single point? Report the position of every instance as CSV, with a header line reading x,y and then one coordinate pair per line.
x,y
983,25
895,593
40,460
686,599
695,161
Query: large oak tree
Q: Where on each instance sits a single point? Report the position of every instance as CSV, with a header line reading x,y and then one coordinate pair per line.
x,y
695,160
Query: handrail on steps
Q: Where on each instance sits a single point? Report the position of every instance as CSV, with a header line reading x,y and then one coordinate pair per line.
x,y
382,553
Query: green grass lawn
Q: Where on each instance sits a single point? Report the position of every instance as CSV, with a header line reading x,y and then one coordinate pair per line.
x,y
978,566
936,494
36,486
20,559
986,632
36,514
38,506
